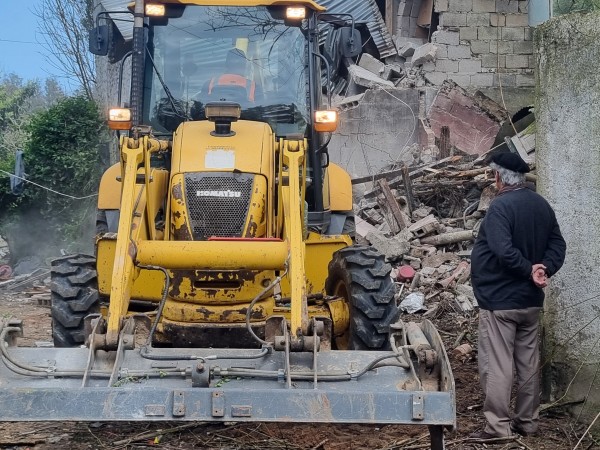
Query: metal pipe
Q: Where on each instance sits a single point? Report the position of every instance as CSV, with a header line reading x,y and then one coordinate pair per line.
x,y
213,255
271,285
415,335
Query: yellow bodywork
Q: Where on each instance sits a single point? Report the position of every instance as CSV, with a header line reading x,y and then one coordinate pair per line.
x,y
213,280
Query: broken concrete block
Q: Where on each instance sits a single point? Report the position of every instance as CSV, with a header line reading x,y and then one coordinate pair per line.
x,y
425,226
347,103
427,271
392,248
392,71
438,259
422,252
401,41
365,78
363,228
423,54
444,269
371,63
408,49
421,212
405,235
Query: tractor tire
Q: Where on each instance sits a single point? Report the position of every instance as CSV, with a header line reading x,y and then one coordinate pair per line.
x,y
360,275
74,294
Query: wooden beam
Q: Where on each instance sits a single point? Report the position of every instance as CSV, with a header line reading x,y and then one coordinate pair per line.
x,y
392,204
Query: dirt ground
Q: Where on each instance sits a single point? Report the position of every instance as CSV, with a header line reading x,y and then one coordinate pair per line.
x,y
558,431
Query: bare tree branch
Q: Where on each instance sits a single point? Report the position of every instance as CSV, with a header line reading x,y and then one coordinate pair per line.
x,y
65,25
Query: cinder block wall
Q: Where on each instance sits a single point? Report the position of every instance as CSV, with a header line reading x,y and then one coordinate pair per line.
x,y
482,43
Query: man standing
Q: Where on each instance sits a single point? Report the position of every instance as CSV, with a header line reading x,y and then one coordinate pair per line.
x,y
518,247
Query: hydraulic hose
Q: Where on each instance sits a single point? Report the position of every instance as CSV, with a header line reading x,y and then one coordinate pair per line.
x,y
271,285
145,353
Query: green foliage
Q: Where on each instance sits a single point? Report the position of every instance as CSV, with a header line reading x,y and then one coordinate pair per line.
x,y
19,100
15,107
62,154
573,6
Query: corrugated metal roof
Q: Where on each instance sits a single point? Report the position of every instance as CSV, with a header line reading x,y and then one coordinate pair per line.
x,y
364,12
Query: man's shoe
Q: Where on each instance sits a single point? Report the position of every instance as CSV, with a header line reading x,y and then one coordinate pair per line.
x,y
482,435
518,430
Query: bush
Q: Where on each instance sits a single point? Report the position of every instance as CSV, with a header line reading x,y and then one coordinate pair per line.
x,y
62,154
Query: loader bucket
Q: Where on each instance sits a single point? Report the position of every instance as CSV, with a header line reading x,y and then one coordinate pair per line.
x,y
377,387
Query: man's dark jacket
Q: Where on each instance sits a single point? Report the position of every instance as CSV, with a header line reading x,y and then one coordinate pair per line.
x,y
519,230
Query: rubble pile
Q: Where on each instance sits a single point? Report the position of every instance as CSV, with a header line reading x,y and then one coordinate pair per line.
x,y
425,220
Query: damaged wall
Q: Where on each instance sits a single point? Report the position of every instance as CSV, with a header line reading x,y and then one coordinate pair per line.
x,y
568,166
369,137
482,43
483,46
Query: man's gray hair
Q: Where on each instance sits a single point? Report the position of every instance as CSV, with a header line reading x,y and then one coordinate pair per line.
x,y
508,177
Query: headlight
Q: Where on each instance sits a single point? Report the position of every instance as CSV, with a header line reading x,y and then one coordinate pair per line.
x,y
119,119
155,10
326,120
295,13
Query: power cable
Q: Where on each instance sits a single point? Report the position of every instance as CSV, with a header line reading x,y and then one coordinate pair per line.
x,y
17,42
48,189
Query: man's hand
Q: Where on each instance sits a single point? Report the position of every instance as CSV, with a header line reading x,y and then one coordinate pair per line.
x,y
538,275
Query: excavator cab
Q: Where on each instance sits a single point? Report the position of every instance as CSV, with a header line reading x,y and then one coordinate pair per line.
x,y
225,274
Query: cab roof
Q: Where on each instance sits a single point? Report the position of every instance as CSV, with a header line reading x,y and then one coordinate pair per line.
x,y
306,3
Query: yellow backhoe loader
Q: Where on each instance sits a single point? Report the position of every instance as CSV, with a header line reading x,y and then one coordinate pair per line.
x,y
225,284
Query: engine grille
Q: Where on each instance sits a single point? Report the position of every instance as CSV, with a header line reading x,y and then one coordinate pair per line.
x,y
218,203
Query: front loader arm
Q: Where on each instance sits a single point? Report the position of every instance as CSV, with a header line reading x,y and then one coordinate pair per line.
x,y
292,193
134,153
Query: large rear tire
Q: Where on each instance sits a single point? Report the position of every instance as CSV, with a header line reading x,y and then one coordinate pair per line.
x,y
74,293
360,275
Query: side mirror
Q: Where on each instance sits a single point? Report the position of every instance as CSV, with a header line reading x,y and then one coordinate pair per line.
x,y
98,41
350,42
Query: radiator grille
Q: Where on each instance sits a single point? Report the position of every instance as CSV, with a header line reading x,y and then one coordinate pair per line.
x,y
218,203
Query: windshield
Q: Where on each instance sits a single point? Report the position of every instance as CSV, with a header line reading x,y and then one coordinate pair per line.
x,y
239,54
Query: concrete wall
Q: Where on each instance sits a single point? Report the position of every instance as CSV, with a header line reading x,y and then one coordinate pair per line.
x,y
568,167
376,130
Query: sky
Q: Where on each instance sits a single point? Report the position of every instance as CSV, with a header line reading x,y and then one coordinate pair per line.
x,y
20,51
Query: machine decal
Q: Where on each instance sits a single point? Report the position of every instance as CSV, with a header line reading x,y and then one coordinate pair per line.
x,y
227,193
219,159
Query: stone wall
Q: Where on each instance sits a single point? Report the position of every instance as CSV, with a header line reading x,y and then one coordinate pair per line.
x,y
568,168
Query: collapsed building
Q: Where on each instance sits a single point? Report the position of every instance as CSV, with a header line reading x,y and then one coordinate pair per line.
x,y
460,70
